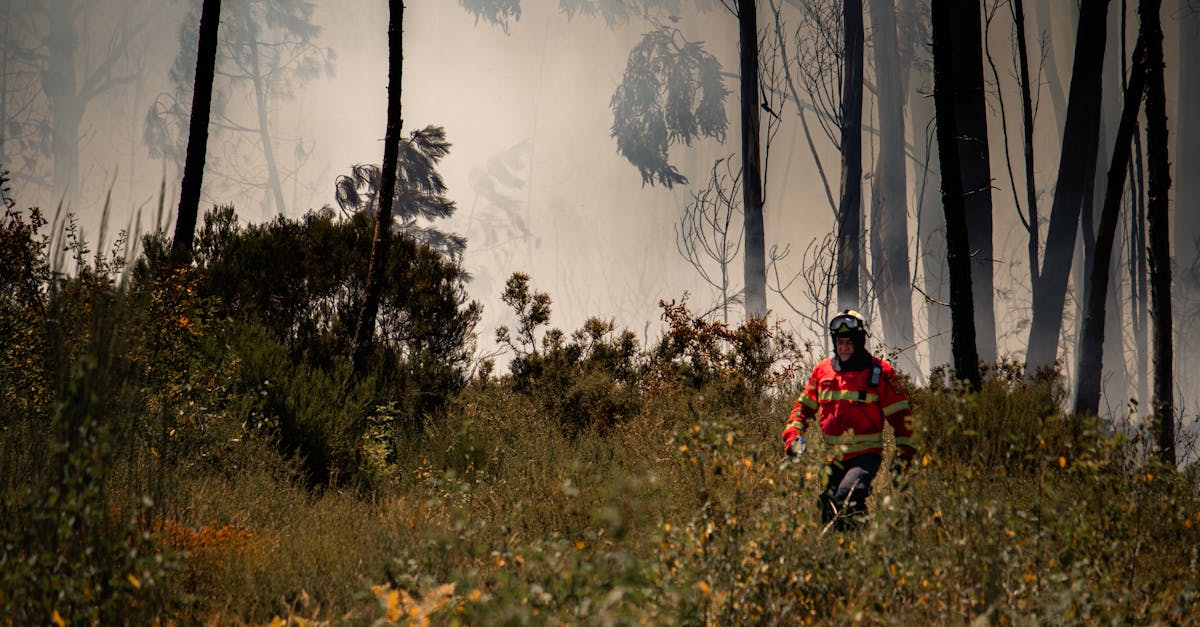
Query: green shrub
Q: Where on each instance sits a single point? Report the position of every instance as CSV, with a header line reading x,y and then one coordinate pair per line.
x,y
302,281
590,381
75,543
1012,424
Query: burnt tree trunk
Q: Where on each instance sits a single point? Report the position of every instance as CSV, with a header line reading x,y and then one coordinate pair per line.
x,y
365,330
970,102
966,358
849,218
1159,184
755,269
193,168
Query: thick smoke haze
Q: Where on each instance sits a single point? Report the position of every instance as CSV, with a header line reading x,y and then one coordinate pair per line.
x,y
539,185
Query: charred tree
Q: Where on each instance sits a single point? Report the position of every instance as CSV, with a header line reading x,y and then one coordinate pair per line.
x,y
197,146
365,329
849,215
1091,343
970,102
755,265
1158,186
966,358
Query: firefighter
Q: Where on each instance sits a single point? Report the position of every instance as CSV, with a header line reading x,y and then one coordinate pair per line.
x,y
851,394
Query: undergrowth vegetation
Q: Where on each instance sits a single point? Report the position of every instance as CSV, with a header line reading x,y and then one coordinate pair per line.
x,y
185,445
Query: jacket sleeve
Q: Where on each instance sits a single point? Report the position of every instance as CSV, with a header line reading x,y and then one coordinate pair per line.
x,y
803,411
898,414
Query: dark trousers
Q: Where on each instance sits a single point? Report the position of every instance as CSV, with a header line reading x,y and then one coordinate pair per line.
x,y
844,495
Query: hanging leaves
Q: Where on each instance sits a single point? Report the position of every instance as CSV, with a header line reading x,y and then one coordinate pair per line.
x,y
420,190
672,93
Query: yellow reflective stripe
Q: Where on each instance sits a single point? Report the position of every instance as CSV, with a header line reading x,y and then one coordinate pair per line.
x,y
858,448
869,440
848,395
795,423
895,407
905,442
808,402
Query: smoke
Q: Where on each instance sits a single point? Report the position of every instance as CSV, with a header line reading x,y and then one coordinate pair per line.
x,y
535,173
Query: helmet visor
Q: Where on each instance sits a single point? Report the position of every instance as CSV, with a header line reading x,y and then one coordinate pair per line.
x,y
844,324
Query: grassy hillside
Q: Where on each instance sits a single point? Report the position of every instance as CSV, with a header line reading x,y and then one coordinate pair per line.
x,y
185,446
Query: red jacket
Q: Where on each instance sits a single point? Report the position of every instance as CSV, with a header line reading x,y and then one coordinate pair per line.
x,y
851,411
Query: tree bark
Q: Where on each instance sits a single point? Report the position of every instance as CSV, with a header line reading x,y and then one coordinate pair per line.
x,y
755,270
975,166
193,168
889,205
849,218
365,330
966,358
1076,172
1091,344
1159,185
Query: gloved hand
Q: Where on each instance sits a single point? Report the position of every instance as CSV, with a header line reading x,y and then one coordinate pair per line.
x,y
796,447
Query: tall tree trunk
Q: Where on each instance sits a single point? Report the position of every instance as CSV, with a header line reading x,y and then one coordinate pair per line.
x,y
197,147
755,272
274,186
1159,169
365,330
849,218
1091,343
970,103
966,358
889,204
1076,171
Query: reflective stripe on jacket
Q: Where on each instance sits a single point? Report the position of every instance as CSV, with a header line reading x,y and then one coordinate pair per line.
x,y
851,412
